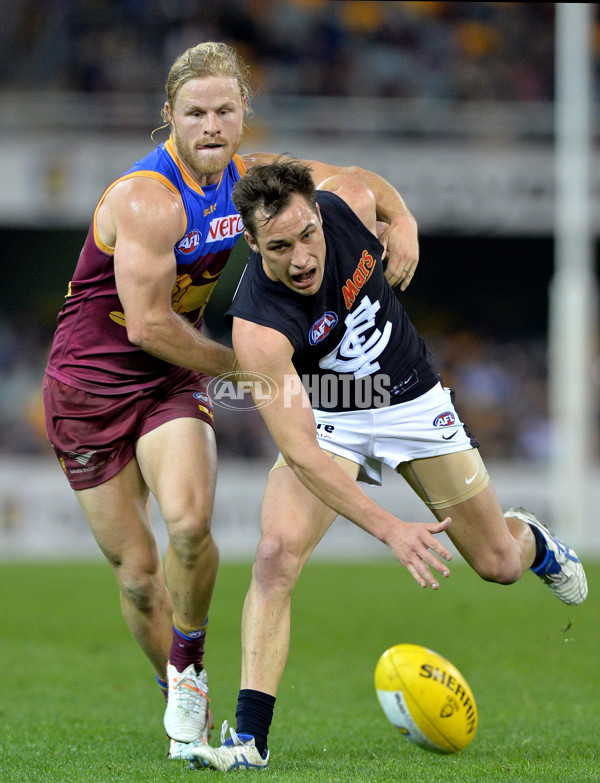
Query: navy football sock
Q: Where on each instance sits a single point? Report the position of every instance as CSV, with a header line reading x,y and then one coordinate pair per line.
x,y
540,547
254,714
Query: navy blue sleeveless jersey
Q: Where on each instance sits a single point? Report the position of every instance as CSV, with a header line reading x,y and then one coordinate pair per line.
x,y
354,345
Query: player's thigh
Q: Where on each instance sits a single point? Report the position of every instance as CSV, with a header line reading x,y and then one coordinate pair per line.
x,y
457,486
117,512
480,533
293,519
178,461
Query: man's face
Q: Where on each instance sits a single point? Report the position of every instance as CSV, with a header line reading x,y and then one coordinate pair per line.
x,y
292,246
207,118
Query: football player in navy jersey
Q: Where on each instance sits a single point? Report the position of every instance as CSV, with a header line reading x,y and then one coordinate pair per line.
x,y
316,261
125,391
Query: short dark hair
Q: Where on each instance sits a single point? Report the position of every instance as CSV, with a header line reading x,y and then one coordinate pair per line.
x,y
269,188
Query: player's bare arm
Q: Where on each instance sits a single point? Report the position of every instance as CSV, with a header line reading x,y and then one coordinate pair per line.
x,y
143,220
357,195
291,422
399,239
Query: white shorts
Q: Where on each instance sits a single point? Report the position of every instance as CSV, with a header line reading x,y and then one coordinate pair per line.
x,y
427,426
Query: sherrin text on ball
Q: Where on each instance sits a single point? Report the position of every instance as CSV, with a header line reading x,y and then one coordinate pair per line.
x,y
426,698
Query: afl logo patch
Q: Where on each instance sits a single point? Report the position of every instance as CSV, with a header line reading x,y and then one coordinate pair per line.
x,y
202,397
321,327
190,242
444,419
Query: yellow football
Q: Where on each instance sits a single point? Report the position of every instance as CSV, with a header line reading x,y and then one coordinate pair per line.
x,y
426,698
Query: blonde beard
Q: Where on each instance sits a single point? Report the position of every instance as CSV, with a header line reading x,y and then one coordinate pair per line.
x,y
211,164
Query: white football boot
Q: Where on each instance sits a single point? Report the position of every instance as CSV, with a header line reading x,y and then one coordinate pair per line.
x,y
560,569
187,717
180,750
236,752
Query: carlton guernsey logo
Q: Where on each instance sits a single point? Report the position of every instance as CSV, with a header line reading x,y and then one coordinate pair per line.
x,y
322,326
190,242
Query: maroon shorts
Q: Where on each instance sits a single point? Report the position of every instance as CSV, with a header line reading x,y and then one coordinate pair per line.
x,y
94,435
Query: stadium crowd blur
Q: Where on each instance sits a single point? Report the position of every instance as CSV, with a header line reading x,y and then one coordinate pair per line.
x,y
314,47
453,50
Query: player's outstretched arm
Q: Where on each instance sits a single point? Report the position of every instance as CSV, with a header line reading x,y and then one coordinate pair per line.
x,y
291,422
400,238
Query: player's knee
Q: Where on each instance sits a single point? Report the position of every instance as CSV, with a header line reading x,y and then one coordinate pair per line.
x,y
138,588
498,567
137,574
189,536
277,563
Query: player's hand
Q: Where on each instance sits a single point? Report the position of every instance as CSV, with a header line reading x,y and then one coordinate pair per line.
x,y
416,547
401,249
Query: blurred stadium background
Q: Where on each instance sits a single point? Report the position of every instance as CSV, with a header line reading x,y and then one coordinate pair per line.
x,y
457,104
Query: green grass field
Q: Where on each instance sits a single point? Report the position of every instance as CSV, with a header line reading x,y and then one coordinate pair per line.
x,y
79,703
